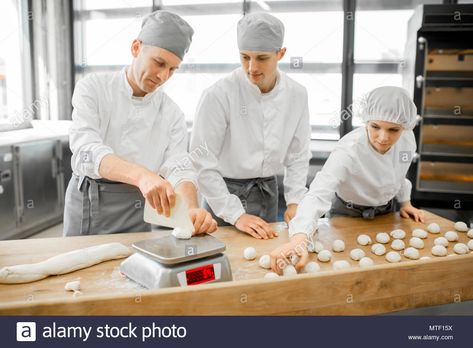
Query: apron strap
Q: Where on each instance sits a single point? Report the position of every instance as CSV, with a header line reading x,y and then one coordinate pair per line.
x,y
261,183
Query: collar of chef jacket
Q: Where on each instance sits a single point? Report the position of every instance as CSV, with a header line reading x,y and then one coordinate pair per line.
x,y
278,87
128,91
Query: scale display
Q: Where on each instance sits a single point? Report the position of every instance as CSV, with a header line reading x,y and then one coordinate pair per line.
x,y
200,275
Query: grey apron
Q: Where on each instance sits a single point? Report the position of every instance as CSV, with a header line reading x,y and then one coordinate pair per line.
x,y
102,207
340,207
259,196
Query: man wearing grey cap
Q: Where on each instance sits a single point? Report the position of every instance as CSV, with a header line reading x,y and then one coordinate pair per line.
x,y
129,139
255,123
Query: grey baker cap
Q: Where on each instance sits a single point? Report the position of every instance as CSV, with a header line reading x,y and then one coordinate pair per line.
x,y
260,32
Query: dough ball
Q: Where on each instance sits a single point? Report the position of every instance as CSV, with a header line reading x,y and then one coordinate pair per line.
x,y
364,239
470,233
324,255
451,236
460,226
265,261
249,253
460,248
271,275
382,238
411,253
72,286
419,233
393,256
441,241
366,262
416,242
425,258
398,244
439,250
341,264
182,233
311,267
433,228
398,234
294,259
357,254
378,249
315,246
289,270
470,244
338,245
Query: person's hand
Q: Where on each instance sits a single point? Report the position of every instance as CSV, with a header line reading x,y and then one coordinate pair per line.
x,y
407,210
202,221
281,256
158,192
290,212
255,226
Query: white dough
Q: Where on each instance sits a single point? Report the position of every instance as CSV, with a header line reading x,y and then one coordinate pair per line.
x,y
441,241
294,259
416,242
470,233
411,253
270,275
366,262
341,264
324,255
451,236
398,244
357,254
338,245
398,234
63,263
460,248
382,238
425,258
378,249
419,233
315,247
72,286
265,261
364,239
433,228
182,233
289,270
311,267
249,253
470,244
460,226
439,250
393,256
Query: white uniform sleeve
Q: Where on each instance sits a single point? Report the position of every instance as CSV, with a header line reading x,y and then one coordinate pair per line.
x,y
177,166
297,160
85,140
404,193
322,190
209,131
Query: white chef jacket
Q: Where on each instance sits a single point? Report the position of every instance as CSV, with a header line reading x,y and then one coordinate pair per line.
x,y
358,174
250,135
148,131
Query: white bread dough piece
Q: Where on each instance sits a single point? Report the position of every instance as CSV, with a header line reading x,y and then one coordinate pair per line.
x,y
364,239
398,244
341,264
311,267
182,233
338,246
416,242
378,249
265,261
451,236
324,256
433,228
357,254
249,253
439,250
411,253
63,263
398,234
460,248
382,238
393,256
460,226
366,262
441,241
419,233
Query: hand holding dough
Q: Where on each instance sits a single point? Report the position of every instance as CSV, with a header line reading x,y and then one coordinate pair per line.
x,y
63,263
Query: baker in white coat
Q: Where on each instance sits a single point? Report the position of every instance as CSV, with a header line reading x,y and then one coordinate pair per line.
x,y
253,123
129,139
364,174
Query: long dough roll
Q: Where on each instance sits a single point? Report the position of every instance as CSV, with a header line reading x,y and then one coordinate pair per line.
x,y
63,263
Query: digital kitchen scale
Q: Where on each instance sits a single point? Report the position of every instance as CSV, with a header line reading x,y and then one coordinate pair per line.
x,y
167,262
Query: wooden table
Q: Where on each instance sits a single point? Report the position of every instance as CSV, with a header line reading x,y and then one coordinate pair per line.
x,y
356,291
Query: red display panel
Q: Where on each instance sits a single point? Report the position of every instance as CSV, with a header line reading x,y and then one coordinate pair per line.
x,y
200,275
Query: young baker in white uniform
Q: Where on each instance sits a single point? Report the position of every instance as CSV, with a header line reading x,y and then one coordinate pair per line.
x,y
364,173
128,139
254,123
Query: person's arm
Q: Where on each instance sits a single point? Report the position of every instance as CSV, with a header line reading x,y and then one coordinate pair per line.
x,y
315,203
297,165
207,140
404,199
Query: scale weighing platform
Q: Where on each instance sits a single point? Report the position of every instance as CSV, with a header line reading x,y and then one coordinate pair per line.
x,y
167,262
